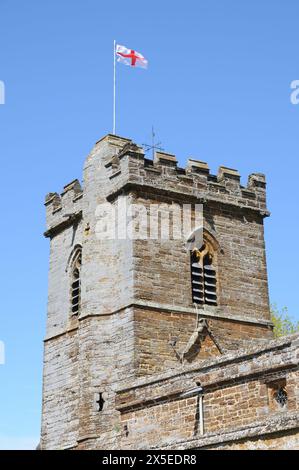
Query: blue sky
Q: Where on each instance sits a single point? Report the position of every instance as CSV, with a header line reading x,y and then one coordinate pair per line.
x,y
217,89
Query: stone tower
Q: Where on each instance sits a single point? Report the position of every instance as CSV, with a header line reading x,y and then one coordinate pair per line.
x,y
121,309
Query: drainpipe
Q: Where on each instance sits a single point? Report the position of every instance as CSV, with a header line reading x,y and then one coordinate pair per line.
x,y
200,406
197,391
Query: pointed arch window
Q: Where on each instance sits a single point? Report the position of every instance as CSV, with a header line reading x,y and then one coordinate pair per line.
x,y
76,282
203,275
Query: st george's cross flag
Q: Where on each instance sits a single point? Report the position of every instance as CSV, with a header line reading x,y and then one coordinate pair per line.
x,y
130,57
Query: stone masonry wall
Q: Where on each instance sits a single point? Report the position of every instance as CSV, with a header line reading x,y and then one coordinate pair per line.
x,y
238,398
60,392
61,349
162,267
286,440
155,330
106,357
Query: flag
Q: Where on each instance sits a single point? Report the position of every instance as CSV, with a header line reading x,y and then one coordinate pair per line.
x,y
130,57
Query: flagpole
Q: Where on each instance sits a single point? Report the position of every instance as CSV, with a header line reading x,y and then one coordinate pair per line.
x,y
114,83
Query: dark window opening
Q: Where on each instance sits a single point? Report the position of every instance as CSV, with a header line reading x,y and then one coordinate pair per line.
x,y
76,285
281,397
203,277
100,402
277,394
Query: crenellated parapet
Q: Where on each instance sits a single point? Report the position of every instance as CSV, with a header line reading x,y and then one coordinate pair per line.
x,y
124,167
130,169
63,209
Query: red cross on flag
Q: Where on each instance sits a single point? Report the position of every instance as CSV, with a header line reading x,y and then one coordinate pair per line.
x,y
130,57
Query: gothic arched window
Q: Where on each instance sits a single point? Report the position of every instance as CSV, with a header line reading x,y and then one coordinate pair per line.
x,y
76,281
203,275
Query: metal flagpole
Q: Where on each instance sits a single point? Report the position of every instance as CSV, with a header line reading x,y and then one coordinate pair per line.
x,y
114,82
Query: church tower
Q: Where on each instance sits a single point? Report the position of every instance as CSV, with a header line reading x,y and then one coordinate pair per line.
x,y
124,307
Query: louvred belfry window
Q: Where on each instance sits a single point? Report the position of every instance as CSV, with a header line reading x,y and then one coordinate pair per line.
x,y
203,276
76,284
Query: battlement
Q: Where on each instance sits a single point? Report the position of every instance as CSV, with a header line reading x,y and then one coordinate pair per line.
x,y
64,208
130,168
124,167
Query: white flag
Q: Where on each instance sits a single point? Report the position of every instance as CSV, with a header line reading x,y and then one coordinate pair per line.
x,y
130,57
